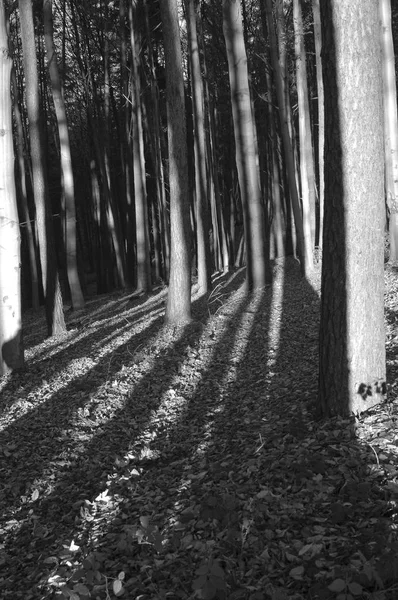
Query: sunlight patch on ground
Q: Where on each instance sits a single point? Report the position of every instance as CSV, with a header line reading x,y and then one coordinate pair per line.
x,y
275,319
74,372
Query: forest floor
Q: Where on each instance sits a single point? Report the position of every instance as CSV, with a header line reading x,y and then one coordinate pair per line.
x,y
151,463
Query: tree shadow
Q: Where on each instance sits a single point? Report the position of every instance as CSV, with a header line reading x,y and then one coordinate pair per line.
x,y
46,440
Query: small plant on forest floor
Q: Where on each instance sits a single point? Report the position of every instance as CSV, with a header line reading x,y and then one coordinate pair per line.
x,y
210,580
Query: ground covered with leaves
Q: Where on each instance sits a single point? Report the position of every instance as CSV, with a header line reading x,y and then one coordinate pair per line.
x,y
151,463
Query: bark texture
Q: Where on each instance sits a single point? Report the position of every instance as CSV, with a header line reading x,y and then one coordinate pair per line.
x,y
178,310
258,272
352,339
11,349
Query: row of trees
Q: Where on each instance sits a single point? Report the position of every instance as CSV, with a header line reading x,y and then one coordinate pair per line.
x,y
263,131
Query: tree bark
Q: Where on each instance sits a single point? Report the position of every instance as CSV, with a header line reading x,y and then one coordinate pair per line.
x,y
306,150
287,141
50,277
11,348
21,178
321,120
140,193
178,310
258,271
198,115
66,160
390,125
352,341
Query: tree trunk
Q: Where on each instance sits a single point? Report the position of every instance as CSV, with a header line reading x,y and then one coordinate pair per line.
x,y
352,341
178,310
23,196
321,119
50,277
127,200
66,160
11,348
287,141
258,271
202,201
140,194
390,125
306,151
156,134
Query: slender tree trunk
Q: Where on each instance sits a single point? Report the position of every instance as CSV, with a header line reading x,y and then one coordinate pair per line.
x,y
287,141
277,244
202,201
50,277
141,208
24,207
104,159
307,171
352,367
178,310
11,348
258,271
66,160
156,135
321,119
390,125
127,201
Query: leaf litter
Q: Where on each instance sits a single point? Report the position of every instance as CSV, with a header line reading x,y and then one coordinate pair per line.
x,y
148,462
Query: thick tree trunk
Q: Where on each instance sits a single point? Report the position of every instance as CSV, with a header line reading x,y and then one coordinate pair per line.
x,y
258,271
66,161
352,341
11,348
178,310
50,277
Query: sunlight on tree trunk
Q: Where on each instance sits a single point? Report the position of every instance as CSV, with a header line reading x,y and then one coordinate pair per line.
x,y
66,160
178,310
50,276
201,197
306,151
286,138
10,260
257,267
352,340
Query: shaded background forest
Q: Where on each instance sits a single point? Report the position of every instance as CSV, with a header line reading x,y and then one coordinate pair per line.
x,y
111,63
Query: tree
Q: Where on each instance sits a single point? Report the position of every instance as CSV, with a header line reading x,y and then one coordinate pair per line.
x,y
321,129
198,115
11,349
66,159
178,310
257,267
140,194
307,169
50,278
390,125
352,340
281,94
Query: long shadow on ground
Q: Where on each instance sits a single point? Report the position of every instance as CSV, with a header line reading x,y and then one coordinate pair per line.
x,y
196,468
